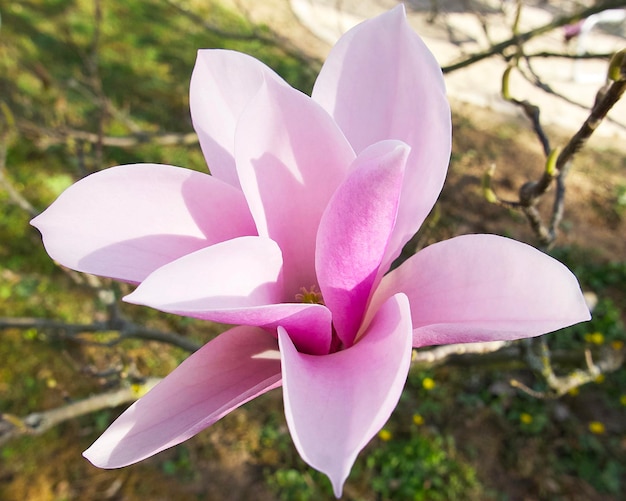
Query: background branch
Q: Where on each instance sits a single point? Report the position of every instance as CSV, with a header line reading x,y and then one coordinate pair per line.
x,y
37,423
48,137
558,162
124,329
539,358
528,35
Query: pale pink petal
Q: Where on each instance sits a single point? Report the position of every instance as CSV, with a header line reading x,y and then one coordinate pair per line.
x,y
236,282
235,367
244,271
381,82
485,288
127,221
354,232
310,325
336,403
222,84
290,157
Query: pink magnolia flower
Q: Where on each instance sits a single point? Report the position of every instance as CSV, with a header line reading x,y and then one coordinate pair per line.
x,y
309,201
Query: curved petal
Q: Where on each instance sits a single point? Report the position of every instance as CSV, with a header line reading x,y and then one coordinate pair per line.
x,y
230,370
404,99
485,288
290,157
236,282
244,271
222,84
354,233
336,403
127,221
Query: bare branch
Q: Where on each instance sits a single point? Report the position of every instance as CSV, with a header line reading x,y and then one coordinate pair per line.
x,y
605,100
565,55
441,354
535,80
14,195
524,37
124,329
612,358
48,137
37,423
558,162
7,128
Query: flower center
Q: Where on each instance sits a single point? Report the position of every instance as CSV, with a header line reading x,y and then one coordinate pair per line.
x,y
311,295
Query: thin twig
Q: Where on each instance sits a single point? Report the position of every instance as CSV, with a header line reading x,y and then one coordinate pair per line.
x,y
123,329
37,423
524,37
14,195
440,354
7,130
48,137
536,80
564,55
607,97
558,162
611,360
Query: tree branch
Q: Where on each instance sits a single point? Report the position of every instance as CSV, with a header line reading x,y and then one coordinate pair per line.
x,y
612,359
124,329
37,423
524,37
606,98
564,55
558,162
7,129
48,137
440,354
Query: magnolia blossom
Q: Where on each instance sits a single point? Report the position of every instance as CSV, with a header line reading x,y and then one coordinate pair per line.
x,y
309,201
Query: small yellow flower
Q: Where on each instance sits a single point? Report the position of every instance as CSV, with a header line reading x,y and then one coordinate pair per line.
x,y
525,418
574,391
596,427
622,400
599,379
418,419
617,345
595,338
138,390
428,383
385,435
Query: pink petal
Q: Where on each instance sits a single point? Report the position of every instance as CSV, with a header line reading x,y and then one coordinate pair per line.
x,y
336,403
381,82
232,369
485,288
222,84
354,233
244,271
236,282
127,221
290,157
